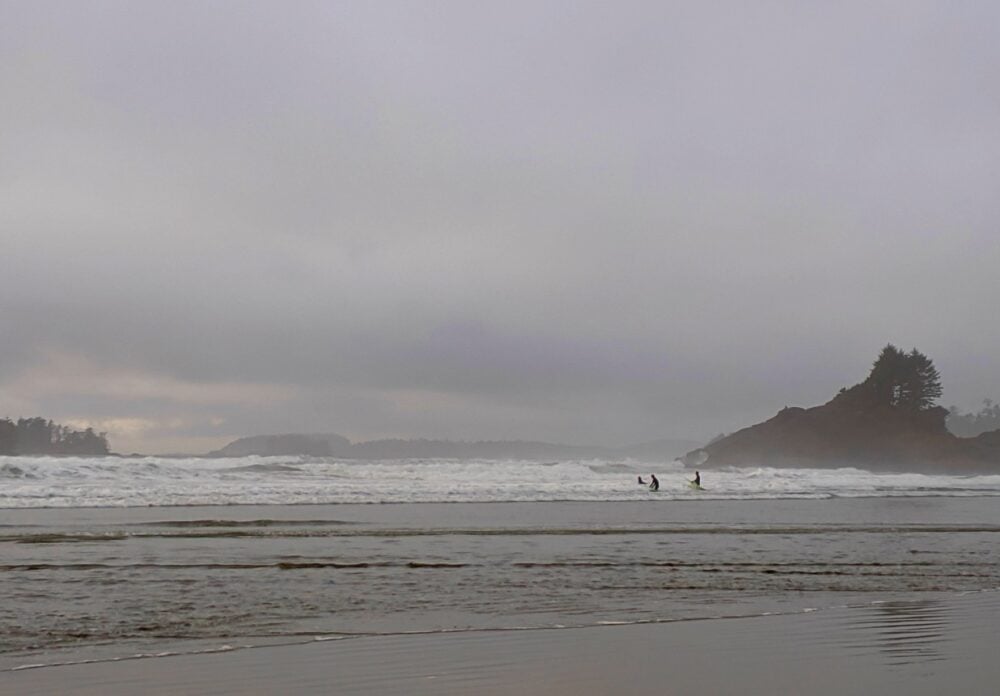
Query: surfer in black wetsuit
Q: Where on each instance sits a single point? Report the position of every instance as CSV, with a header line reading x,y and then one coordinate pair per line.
x,y
641,482
654,485
697,479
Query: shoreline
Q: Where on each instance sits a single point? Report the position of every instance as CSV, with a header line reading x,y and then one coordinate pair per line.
x,y
921,646
461,585
213,647
700,499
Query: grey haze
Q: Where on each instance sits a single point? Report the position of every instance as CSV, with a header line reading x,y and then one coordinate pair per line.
x,y
591,223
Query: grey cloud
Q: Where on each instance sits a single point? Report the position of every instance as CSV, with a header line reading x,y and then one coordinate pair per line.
x,y
538,220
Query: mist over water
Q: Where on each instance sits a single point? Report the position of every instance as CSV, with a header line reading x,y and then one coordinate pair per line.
x,y
29,482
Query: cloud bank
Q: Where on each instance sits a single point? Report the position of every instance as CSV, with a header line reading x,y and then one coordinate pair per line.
x,y
553,221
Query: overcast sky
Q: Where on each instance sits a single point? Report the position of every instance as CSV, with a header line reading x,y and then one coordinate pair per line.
x,y
576,222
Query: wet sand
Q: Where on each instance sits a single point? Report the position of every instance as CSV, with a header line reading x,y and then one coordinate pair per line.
x,y
840,596
914,647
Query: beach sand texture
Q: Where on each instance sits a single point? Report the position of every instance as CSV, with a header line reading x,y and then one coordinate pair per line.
x,y
930,647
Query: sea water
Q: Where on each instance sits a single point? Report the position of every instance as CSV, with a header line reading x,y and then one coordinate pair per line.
x,y
116,481
112,558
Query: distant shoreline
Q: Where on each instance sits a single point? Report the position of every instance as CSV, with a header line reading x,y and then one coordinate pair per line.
x,y
333,445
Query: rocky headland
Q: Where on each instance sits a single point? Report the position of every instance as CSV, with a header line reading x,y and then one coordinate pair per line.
x,y
888,422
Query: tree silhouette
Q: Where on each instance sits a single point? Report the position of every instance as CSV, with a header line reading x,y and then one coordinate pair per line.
x,y
8,436
923,384
40,436
906,381
887,375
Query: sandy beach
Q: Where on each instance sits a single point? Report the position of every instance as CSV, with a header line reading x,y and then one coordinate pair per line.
x,y
928,647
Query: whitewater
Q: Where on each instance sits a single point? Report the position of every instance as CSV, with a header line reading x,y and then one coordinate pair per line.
x,y
58,482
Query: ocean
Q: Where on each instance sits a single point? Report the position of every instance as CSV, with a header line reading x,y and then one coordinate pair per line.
x,y
106,559
31,482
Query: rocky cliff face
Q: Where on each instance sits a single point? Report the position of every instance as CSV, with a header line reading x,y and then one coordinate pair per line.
x,y
855,428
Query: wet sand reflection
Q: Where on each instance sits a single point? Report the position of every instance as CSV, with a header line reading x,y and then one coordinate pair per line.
x,y
905,631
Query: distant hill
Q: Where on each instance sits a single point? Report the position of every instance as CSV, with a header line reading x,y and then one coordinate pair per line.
x,y
332,445
655,450
326,445
887,422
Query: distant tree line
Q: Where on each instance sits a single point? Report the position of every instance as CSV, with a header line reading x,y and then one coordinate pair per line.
x,y
972,424
41,436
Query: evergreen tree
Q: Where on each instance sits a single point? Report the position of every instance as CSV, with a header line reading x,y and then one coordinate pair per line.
x,y
887,375
40,436
923,385
8,436
34,436
904,380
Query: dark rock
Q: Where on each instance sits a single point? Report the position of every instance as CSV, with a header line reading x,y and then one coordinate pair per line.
x,y
858,427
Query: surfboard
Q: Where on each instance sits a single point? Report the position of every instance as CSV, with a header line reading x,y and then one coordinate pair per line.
x,y
696,486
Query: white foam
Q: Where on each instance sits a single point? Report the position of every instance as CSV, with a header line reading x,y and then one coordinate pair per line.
x,y
155,481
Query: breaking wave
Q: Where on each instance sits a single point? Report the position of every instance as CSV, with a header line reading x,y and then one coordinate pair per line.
x,y
36,482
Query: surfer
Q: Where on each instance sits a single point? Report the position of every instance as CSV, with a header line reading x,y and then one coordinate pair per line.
x,y
697,479
654,485
641,482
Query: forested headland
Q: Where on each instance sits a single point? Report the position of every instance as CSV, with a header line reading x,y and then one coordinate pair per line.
x,y
889,421
40,436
